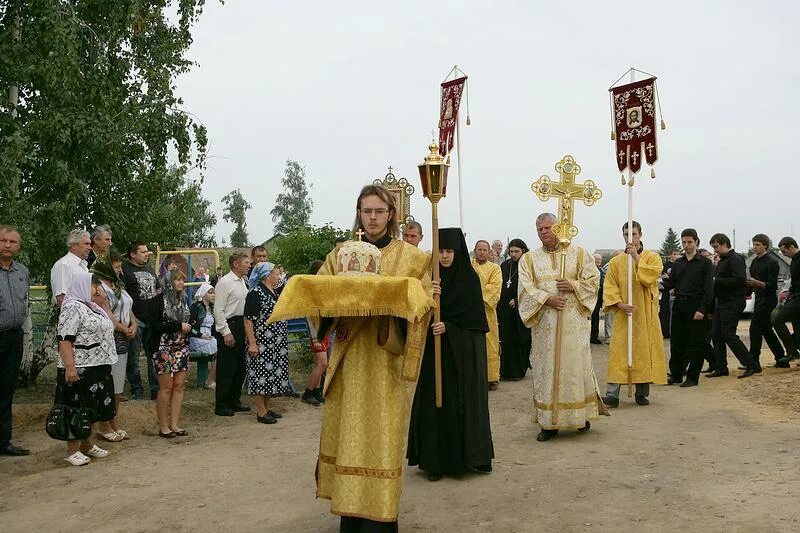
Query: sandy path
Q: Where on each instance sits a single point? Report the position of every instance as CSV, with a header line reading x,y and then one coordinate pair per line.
x,y
706,458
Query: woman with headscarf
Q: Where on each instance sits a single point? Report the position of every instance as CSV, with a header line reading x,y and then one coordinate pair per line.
x,y
201,318
267,345
455,438
515,338
171,355
108,268
86,352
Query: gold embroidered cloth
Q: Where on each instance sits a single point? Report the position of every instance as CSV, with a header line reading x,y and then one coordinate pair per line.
x,y
491,283
369,388
339,296
649,364
578,391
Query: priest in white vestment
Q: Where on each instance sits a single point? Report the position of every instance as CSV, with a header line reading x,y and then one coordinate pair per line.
x,y
571,398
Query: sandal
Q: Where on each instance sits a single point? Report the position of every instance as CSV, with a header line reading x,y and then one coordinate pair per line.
x,y
77,459
97,451
112,436
124,434
169,435
180,433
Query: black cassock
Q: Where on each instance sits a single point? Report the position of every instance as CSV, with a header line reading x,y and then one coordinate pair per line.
x,y
515,338
457,436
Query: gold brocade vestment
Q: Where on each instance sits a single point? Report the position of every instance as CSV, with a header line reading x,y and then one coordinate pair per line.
x,y
578,391
648,345
367,407
491,284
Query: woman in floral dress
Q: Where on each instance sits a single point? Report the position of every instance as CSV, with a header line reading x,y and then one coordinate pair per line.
x,y
171,356
267,345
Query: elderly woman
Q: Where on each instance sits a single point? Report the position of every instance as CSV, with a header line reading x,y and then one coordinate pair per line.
x,y
201,318
86,352
108,269
267,345
171,355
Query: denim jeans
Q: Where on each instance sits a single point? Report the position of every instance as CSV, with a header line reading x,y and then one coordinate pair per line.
x,y
143,332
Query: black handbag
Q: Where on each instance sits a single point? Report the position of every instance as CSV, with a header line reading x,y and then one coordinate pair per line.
x,y
66,421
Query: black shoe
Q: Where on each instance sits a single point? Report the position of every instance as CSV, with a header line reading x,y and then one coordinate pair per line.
x,y
674,381
482,469
223,412
689,383
747,373
273,414
595,341
610,401
267,419
741,368
168,435
14,451
641,400
309,398
493,385
795,355
758,369
241,409
318,395
781,364
717,374
707,370
585,428
434,477
546,434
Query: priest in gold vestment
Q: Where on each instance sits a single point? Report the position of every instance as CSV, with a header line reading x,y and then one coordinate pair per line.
x,y
573,393
649,364
367,409
491,284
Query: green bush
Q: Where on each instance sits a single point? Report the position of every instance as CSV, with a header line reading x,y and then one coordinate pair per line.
x,y
299,248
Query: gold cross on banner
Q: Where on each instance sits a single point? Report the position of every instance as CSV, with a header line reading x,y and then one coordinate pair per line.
x,y
567,192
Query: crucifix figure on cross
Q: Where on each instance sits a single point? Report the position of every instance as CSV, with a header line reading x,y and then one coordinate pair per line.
x,y
567,192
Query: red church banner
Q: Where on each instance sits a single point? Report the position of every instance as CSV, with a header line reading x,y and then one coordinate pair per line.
x,y
634,111
448,117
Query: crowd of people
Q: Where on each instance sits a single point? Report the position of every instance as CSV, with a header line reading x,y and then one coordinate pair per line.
x,y
538,309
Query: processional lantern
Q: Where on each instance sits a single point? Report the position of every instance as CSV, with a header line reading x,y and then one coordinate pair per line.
x,y
433,174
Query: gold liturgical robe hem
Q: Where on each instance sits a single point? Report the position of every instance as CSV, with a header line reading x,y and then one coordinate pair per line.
x,y
365,427
491,284
578,390
649,365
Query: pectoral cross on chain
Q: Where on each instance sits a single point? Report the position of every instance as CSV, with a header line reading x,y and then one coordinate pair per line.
x,y
567,192
359,233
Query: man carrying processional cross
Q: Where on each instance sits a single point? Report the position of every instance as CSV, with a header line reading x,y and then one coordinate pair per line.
x,y
558,285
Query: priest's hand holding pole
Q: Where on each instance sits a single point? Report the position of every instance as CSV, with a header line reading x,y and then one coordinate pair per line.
x,y
558,302
631,250
627,309
438,328
437,287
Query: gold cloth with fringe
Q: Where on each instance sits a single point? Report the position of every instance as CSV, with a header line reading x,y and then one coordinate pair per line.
x,y
370,382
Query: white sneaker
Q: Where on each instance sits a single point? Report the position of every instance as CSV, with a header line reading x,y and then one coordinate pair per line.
x,y
77,459
97,451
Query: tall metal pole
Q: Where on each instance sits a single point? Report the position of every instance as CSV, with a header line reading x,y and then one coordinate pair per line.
x,y
460,183
628,240
437,310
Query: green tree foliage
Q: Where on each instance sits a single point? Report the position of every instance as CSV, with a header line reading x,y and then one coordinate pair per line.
x,y
293,206
97,133
236,212
671,243
296,250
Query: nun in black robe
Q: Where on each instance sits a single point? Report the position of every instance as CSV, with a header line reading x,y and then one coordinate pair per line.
x,y
515,338
455,438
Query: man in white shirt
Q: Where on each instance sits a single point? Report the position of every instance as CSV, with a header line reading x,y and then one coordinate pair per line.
x,y
231,291
79,244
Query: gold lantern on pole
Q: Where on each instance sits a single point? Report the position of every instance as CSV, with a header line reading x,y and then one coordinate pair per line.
x,y
433,174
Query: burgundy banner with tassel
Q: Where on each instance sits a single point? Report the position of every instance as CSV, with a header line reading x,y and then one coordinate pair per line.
x,y
634,115
448,117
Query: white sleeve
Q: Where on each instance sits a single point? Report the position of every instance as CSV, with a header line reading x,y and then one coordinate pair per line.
x,y
59,279
220,303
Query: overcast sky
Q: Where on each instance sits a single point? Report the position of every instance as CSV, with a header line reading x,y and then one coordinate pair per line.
x,y
349,88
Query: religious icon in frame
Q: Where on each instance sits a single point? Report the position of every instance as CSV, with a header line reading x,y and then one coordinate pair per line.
x,y
402,190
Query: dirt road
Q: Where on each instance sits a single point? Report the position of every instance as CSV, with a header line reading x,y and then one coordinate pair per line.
x,y
719,457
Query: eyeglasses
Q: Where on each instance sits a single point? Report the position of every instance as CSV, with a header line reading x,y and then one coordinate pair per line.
x,y
379,211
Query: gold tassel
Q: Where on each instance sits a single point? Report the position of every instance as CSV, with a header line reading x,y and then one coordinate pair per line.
x,y
613,136
653,173
663,124
622,178
469,122
630,181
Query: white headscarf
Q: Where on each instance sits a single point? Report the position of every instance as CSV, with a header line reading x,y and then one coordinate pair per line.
x,y
202,291
81,291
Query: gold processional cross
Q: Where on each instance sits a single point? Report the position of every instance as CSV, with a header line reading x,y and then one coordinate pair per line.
x,y
567,192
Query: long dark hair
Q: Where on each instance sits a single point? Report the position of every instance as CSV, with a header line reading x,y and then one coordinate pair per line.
x,y
393,227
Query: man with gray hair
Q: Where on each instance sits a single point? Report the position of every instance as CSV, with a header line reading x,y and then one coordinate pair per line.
x,y
497,248
412,233
101,243
565,390
79,244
